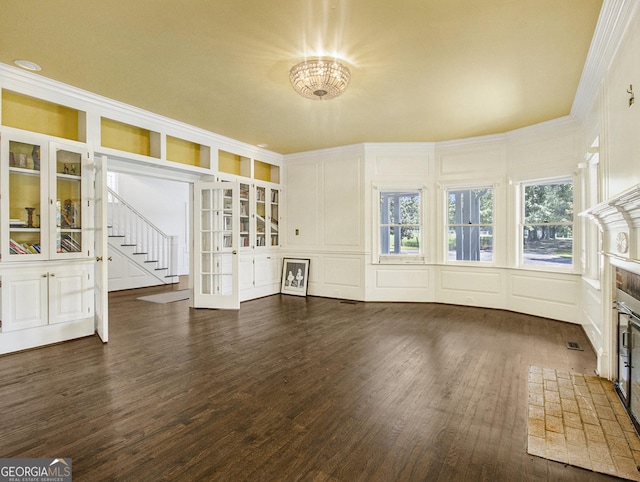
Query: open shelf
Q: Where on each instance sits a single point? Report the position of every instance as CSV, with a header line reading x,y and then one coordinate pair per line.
x,y
128,138
187,152
36,115
266,172
234,164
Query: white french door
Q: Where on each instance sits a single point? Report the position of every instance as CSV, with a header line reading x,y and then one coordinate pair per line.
x,y
216,228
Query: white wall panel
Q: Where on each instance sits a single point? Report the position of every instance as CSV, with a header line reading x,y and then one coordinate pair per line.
x,y
592,320
400,278
301,204
342,199
547,289
470,280
400,160
483,160
400,165
548,150
342,271
545,294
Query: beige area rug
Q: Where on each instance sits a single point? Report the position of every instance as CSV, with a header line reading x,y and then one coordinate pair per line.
x,y
578,420
168,297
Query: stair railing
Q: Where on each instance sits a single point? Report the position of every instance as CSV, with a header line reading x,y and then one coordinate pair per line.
x,y
135,230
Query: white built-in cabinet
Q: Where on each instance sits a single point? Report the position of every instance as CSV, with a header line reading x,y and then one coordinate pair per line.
x,y
259,238
46,248
259,217
45,295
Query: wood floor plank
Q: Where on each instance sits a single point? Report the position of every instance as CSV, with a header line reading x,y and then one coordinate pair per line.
x,y
289,389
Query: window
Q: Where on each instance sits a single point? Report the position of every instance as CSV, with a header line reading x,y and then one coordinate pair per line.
x,y
470,224
400,223
547,228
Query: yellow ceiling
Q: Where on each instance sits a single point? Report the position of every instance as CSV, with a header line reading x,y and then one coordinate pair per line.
x,y
422,70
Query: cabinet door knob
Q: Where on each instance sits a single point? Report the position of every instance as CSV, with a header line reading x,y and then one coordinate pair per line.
x,y
45,275
98,258
109,258
52,274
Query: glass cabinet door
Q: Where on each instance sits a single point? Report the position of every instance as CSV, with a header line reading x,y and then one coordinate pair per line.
x,y
68,200
244,216
25,200
261,216
274,217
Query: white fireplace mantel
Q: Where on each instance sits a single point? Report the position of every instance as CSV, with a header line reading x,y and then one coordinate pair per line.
x,y
619,220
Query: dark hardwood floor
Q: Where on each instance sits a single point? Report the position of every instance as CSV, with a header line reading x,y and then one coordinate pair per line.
x,y
289,389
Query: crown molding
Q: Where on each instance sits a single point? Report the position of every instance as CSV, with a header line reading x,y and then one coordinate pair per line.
x,y
612,25
35,85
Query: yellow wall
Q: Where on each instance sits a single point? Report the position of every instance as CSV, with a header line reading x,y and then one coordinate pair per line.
x,y
184,152
262,171
24,112
24,191
125,137
229,163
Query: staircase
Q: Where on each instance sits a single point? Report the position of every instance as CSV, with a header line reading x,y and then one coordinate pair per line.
x,y
142,254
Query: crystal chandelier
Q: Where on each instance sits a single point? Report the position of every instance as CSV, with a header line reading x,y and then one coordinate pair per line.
x,y
319,79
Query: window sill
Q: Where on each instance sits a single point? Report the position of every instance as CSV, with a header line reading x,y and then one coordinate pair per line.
x,y
484,264
400,259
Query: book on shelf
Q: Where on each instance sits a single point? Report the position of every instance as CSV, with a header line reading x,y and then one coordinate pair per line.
x,y
25,248
69,245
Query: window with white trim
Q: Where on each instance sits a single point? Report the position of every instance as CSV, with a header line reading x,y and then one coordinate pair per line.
x,y
400,223
470,224
547,224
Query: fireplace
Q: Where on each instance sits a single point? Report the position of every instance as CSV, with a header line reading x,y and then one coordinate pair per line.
x,y
627,304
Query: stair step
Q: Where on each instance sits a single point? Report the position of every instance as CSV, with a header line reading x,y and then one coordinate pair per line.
x,y
161,269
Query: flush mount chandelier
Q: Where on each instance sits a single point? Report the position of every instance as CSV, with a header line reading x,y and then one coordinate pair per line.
x,y
319,79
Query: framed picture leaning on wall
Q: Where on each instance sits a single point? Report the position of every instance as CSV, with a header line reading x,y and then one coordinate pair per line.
x,y
295,276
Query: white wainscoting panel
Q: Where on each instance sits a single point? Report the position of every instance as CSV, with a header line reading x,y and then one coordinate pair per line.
x,y
394,283
471,286
552,295
470,281
342,271
592,311
406,279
